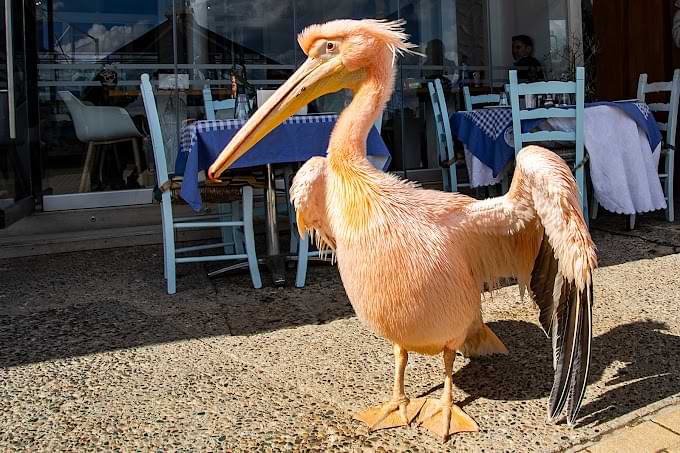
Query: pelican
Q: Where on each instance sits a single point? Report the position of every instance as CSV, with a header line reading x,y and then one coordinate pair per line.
x,y
414,262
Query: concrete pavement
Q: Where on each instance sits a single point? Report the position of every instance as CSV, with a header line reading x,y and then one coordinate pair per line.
x,y
95,356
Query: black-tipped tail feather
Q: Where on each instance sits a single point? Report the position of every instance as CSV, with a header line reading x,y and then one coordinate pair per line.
x,y
566,315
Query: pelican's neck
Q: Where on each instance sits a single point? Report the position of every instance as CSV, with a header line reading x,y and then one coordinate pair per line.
x,y
348,140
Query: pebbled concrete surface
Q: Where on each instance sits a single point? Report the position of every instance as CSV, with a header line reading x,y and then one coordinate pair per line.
x,y
95,356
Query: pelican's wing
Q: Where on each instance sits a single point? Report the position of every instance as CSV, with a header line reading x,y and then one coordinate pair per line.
x,y
308,195
541,223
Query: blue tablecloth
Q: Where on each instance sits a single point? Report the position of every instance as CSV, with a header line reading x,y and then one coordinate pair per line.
x,y
487,133
296,140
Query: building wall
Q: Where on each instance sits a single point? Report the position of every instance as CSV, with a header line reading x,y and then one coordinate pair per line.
x,y
633,37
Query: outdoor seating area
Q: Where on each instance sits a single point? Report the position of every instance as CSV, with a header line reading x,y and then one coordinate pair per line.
x,y
552,114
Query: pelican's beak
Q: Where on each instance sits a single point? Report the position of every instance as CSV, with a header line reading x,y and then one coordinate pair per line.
x,y
315,78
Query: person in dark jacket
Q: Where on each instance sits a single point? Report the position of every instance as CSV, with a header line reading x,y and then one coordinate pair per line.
x,y
528,68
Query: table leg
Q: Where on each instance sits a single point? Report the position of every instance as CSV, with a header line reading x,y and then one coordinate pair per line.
x,y
275,260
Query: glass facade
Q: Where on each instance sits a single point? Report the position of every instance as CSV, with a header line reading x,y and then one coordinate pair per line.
x,y
17,120
98,49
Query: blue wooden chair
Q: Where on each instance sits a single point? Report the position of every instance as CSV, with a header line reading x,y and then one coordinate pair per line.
x,y
471,101
212,107
482,99
577,155
222,193
447,157
668,130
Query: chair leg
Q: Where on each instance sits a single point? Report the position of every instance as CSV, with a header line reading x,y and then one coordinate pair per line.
x,y
288,172
506,178
631,222
249,234
670,168
453,178
303,257
237,235
168,243
581,184
586,217
165,240
227,232
87,168
594,206
138,160
505,184
102,156
119,169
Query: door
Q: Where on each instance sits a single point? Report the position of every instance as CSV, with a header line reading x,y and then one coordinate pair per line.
x,y
15,157
90,57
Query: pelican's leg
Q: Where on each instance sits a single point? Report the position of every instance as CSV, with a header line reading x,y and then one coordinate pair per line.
x,y
442,417
399,411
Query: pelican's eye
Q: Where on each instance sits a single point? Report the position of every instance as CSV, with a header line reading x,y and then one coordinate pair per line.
x,y
330,46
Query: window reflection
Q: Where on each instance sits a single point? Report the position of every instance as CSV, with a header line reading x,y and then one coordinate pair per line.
x,y
98,49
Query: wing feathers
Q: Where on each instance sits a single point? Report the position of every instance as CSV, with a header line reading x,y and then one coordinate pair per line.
x,y
577,386
566,312
543,284
544,200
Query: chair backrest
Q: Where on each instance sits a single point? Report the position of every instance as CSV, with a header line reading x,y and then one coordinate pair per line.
x,y
443,127
263,95
212,106
522,89
78,112
471,101
155,129
671,107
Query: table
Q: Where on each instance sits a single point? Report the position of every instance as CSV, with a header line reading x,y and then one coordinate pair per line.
x,y
624,178
297,139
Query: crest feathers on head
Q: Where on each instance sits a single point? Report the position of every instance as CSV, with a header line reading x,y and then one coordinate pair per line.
x,y
389,32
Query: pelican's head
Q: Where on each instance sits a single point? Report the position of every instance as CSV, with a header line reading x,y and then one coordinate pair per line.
x,y
341,54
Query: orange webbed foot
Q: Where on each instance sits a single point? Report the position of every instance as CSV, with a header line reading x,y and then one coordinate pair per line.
x,y
392,414
445,419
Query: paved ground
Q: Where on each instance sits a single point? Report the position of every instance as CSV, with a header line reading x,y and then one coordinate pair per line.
x,y
94,355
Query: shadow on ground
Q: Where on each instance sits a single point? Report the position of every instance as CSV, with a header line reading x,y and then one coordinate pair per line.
x,y
652,237
646,353
58,314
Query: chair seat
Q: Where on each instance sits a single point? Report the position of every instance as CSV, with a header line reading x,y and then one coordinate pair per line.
x,y
227,189
567,154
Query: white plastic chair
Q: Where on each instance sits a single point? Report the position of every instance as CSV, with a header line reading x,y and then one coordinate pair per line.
x,y
668,129
100,125
170,223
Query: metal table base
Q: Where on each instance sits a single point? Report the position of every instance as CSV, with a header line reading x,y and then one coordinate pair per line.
x,y
274,260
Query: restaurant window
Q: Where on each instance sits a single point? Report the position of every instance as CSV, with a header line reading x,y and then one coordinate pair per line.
x,y
98,49
545,22
91,53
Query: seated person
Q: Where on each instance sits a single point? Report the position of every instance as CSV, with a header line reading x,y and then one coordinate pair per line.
x,y
528,68
435,56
